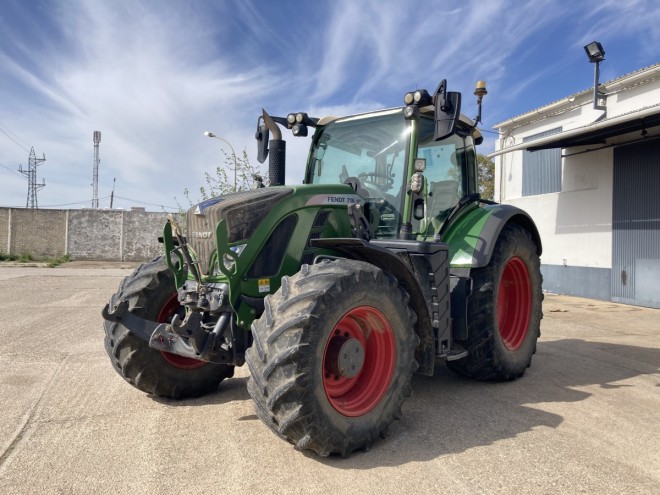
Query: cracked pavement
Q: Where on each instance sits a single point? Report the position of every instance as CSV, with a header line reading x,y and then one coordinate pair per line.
x,y
584,418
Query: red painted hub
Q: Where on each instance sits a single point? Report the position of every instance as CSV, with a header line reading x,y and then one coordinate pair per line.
x,y
358,361
514,303
166,314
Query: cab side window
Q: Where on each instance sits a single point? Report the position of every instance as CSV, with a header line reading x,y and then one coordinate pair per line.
x,y
443,174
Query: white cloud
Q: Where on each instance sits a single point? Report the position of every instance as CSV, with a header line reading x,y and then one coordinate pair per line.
x,y
152,77
137,76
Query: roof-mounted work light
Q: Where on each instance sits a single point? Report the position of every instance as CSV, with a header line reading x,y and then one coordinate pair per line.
x,y
298,123
414,100
596,54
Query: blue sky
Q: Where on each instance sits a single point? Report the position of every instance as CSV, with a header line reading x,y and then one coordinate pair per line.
x,y
152,76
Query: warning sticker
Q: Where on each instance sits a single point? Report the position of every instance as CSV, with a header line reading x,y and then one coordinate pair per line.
x,y
264,285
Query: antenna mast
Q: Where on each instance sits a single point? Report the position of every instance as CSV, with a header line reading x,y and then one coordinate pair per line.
x,y
31,174
95,174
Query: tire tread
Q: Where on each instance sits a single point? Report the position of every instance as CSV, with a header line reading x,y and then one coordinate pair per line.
x,y
146,290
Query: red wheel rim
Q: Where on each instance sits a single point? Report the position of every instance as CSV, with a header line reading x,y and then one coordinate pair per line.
x,y
368,329
166,314
514,303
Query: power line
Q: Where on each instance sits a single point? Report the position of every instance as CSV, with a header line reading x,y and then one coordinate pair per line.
x,y
12,171
16,142
76,203
61,204
105,197
145,203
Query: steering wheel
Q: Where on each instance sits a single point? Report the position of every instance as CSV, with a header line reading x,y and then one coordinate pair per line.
x,y
370,178
374,197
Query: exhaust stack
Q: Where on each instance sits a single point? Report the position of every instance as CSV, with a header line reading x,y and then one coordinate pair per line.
x,y
276,150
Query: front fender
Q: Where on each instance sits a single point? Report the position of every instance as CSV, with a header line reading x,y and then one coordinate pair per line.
x,y
473,234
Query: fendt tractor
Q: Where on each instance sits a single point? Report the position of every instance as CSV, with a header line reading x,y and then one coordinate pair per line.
x,y
385,262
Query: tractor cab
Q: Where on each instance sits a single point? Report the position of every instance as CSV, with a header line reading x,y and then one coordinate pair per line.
x,y
409,182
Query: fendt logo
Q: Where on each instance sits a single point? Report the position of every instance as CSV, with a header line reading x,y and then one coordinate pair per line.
x,y
202,235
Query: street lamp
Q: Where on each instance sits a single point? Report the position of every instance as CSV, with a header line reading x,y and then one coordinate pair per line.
x,y
233,153
596,54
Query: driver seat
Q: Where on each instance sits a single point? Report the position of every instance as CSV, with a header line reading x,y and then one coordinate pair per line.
x,y
443,196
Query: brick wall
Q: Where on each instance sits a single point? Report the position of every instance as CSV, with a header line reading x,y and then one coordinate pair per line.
x,y
40,233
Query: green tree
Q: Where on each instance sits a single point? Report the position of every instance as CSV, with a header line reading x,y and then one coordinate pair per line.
x,y
486,175
222,180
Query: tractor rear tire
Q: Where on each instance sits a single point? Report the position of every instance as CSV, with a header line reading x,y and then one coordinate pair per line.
x,y
333,356
504,311
151,294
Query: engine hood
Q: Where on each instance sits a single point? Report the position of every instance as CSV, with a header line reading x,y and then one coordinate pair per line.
x,y
242,212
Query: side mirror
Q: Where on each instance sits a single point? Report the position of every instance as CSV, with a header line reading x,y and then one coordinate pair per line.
x,y
262,135
445,120
447,111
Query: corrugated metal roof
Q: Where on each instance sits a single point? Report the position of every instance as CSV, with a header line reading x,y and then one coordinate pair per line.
x,y
569,98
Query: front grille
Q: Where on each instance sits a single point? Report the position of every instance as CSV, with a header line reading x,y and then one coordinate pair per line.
x,y
242,211
321,219
316,232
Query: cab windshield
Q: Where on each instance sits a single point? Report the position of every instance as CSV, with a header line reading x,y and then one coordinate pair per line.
x,y
369,153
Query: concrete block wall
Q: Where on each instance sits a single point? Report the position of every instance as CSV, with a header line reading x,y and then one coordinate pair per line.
x,y
86,234
4,230
140,233
95,235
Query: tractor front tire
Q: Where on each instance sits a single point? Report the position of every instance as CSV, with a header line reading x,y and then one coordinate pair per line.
x,y
504,311
151,294
333,356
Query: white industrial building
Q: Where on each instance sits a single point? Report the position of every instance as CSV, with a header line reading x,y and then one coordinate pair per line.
x,y
587,169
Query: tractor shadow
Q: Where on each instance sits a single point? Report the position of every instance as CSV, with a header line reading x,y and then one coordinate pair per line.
x,y
449,414
230,390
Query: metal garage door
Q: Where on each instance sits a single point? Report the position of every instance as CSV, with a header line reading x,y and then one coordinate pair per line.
x,y
636,224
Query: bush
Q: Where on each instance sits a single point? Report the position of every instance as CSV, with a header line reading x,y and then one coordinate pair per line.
x,y
59,260
26,258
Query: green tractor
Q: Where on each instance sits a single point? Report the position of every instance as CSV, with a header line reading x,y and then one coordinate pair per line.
x,y
384,263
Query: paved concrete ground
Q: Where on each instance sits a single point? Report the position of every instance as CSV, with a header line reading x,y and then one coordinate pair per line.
x,y
584,419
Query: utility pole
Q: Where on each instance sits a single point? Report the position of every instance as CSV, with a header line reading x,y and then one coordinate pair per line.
x,y
95,174
31,174
112,194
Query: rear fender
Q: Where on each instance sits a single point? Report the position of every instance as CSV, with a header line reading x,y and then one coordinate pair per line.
x,y
472,236
471,239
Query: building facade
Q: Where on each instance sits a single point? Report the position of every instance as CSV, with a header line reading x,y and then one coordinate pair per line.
x,y
590,179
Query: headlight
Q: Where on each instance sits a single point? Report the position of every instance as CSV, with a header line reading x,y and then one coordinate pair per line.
x,y
416,182
229,262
